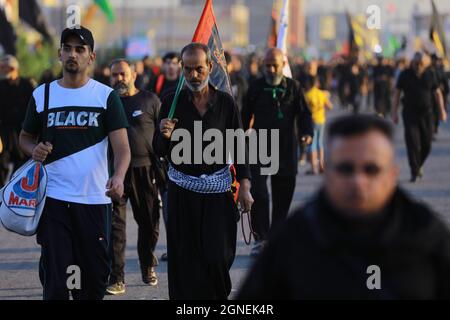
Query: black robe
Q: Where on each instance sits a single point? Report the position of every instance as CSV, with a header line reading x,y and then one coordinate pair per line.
x,y
201,229
319,254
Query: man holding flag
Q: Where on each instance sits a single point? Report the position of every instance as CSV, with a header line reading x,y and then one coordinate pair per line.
x,y
201,230
202,215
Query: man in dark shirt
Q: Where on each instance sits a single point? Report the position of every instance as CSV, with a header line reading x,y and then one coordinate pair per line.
x,y
382,78
442,79
201,230
167,81
141,108
162,85
323,73
15,92
360,236
420,87
239,85
350,82
276,102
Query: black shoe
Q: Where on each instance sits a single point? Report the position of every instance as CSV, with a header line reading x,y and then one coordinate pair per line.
x,y
163,257
413,179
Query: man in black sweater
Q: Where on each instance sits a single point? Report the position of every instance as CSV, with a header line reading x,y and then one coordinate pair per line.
x,y
360,236
141,108
420,90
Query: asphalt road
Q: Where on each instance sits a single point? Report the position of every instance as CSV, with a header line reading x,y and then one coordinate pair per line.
x,y
19,255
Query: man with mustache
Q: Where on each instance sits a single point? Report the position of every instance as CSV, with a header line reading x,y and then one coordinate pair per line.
x,y
276,102
361,236
83,118
202,215
141,108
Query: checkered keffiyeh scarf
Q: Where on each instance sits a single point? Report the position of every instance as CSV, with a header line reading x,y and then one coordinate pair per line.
x,y
218,182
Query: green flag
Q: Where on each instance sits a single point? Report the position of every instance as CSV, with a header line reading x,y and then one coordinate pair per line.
x,y
393,46
107,9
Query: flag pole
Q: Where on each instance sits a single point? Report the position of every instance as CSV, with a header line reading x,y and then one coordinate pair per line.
x,y
175,99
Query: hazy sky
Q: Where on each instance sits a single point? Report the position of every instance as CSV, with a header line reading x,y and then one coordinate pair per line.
x,y
403,8
400,9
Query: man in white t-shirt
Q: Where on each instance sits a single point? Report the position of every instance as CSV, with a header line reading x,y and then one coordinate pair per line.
x,y
82,115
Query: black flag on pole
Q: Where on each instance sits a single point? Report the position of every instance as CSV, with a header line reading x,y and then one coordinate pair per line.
x,y
353,48
437,34
30,12
7,34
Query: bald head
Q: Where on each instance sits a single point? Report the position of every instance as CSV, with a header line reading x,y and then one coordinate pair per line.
x,y
274,53
273,66
9,67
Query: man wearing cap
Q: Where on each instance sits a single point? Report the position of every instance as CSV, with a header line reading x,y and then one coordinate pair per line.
x,y
15,91
83,115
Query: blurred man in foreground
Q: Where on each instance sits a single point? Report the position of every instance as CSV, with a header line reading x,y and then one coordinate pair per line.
x,y
361,236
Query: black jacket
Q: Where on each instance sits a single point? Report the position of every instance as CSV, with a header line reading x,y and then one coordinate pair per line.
x,y
318,254
284,108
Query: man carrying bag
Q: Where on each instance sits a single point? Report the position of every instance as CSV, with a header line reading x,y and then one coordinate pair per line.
x,y
83,117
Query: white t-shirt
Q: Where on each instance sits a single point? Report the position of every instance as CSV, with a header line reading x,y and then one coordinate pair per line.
x,y
78,123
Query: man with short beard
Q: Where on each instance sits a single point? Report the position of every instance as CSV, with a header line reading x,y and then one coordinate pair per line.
x,y
141,108
202,215
71,138
276,102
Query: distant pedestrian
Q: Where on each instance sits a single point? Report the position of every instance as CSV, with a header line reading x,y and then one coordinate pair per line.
x,y
419,87
317,101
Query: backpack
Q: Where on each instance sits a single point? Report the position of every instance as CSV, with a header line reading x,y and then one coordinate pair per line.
x,y
23,197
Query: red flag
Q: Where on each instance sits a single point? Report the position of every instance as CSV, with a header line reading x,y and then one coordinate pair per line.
x,y
272,37
207,33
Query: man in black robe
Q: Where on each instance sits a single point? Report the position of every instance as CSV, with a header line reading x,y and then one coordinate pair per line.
x,y
202,215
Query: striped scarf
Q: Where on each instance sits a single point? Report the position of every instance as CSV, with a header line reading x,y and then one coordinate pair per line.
x,y
218,182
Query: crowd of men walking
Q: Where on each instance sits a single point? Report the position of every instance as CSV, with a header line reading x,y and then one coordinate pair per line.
x,y
360,217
